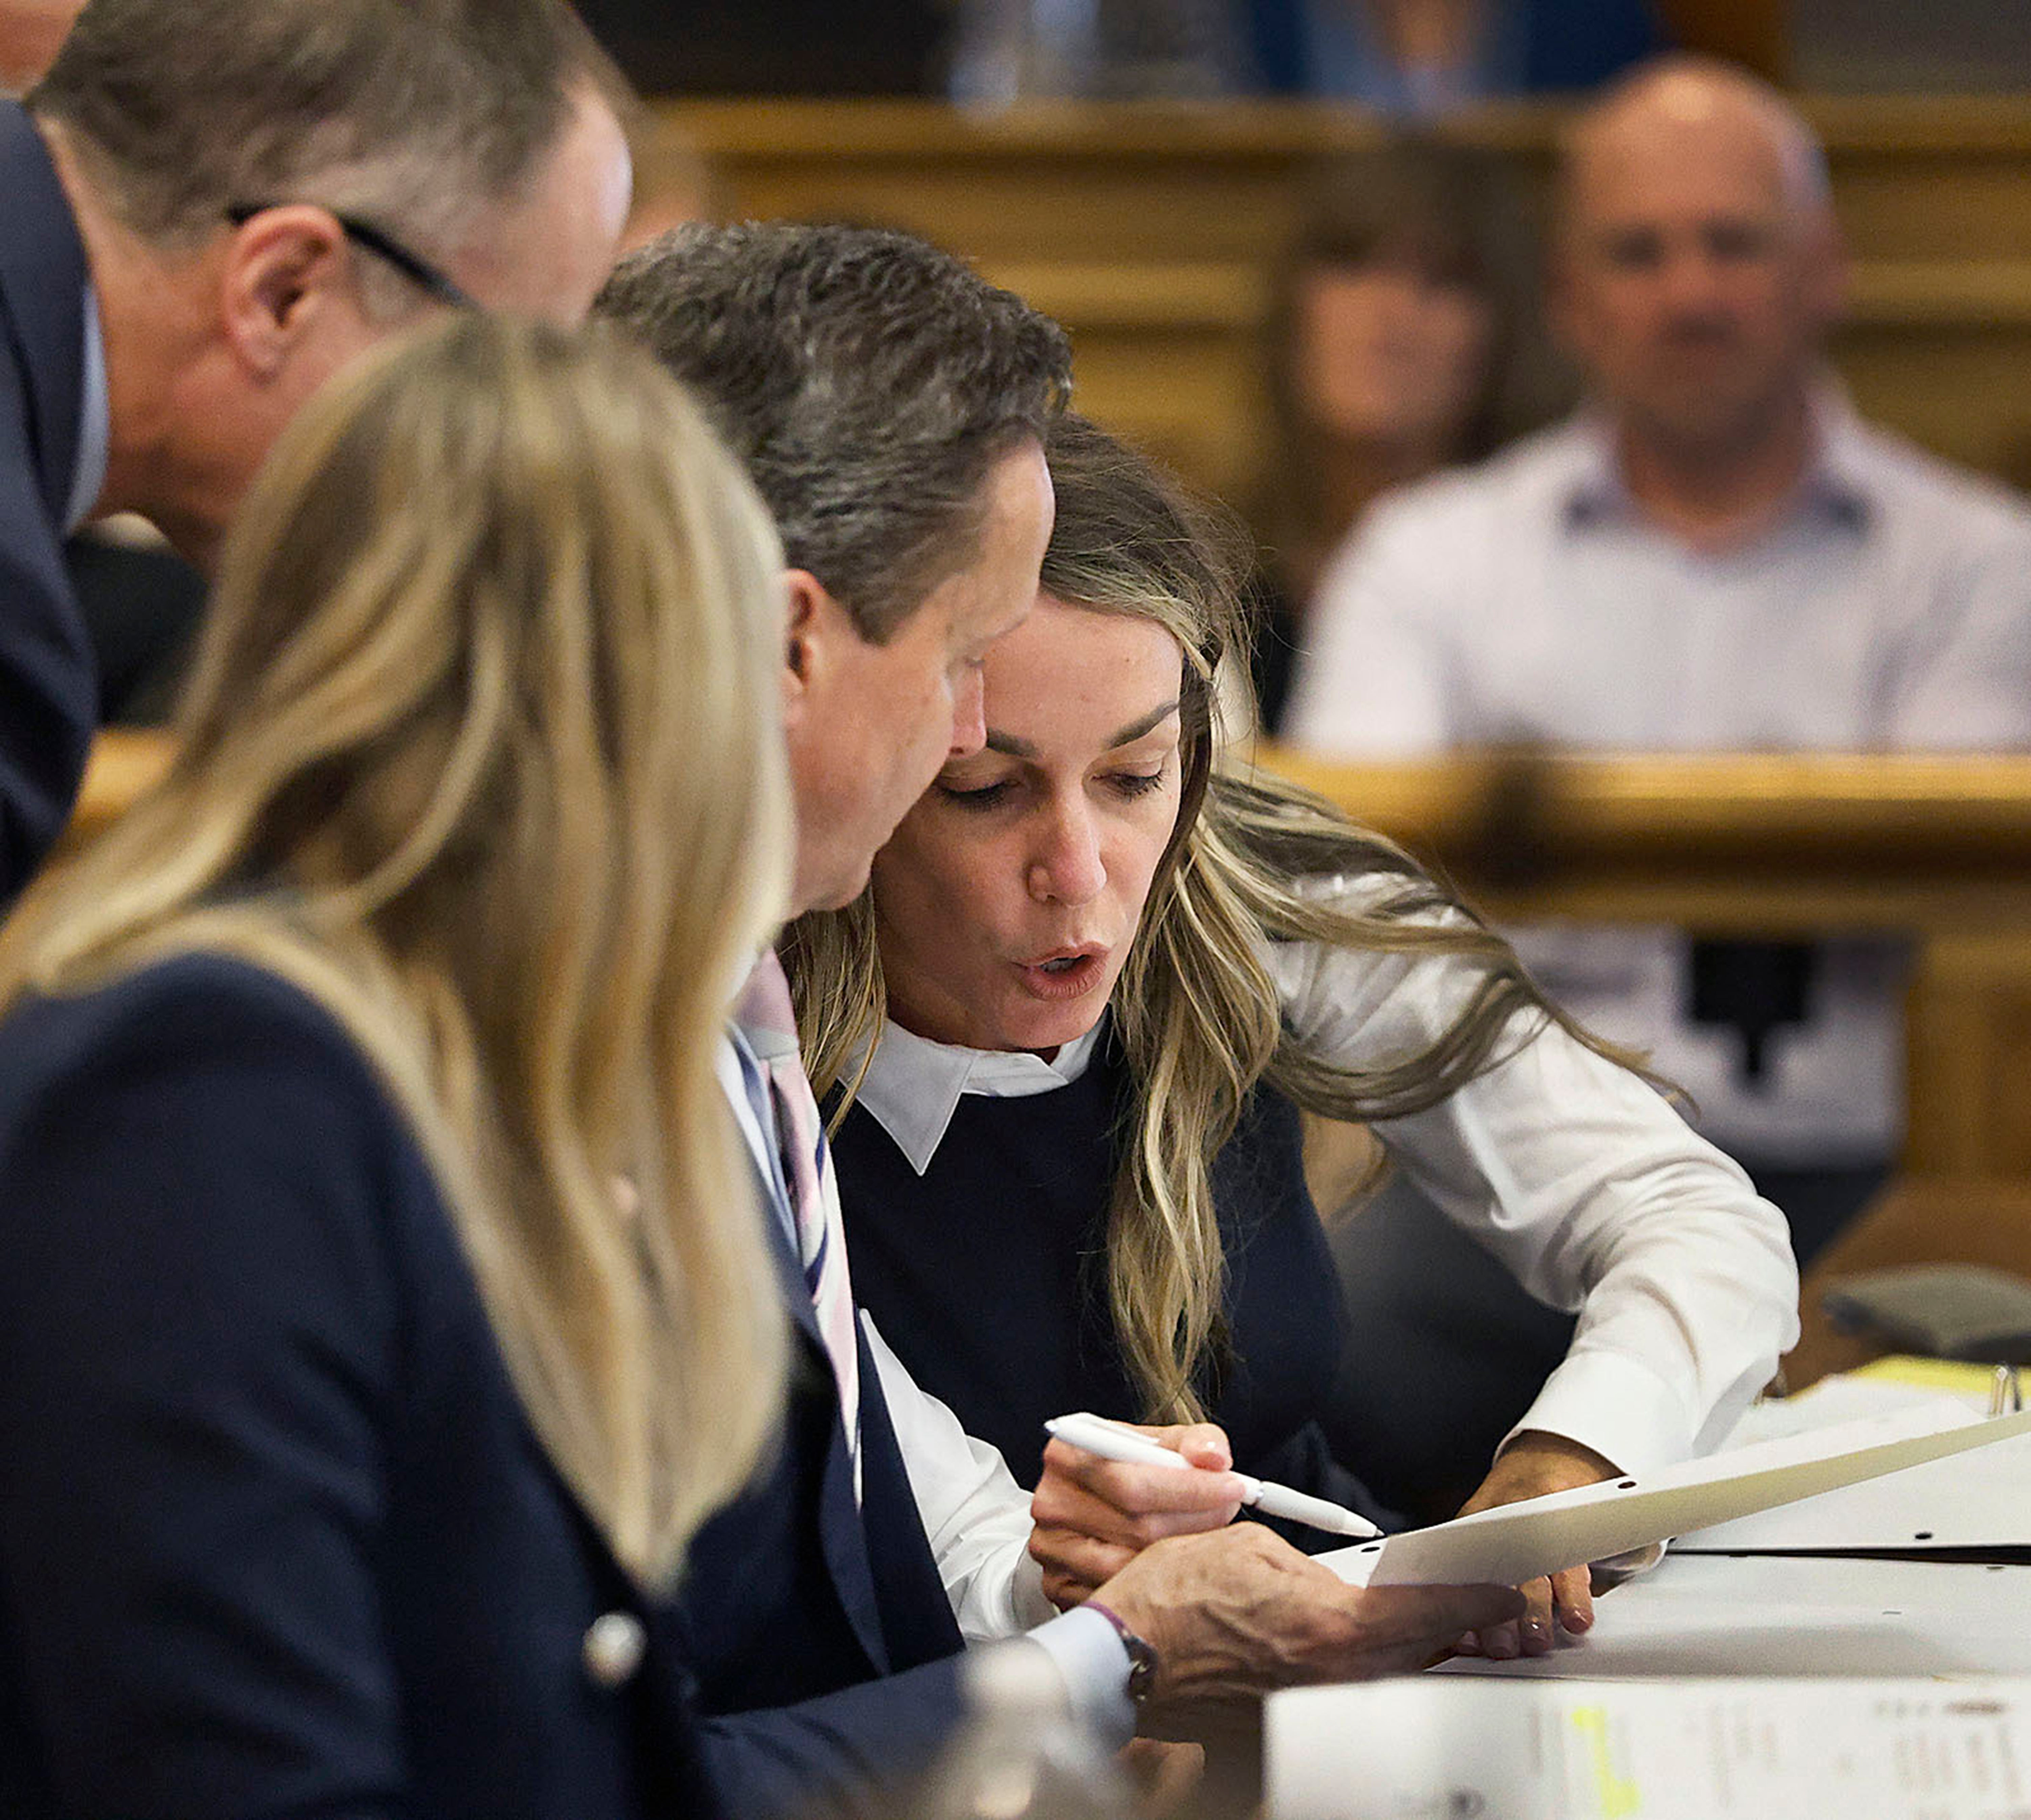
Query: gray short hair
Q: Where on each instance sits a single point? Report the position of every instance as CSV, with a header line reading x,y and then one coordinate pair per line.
x,y
415,114
868,380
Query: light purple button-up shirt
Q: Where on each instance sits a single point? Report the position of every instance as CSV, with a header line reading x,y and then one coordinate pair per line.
x,y
1530,598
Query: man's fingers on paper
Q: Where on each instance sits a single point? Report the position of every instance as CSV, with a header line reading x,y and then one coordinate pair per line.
x,y
1562,1602
1241,1610
1403,1626
1535,1633
1499,1642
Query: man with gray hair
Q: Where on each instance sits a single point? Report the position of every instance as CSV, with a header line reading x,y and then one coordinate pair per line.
x,y
207,207
1715,554
891,407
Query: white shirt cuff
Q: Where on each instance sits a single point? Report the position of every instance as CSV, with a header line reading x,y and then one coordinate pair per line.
x,y
1091,1657
1625,1413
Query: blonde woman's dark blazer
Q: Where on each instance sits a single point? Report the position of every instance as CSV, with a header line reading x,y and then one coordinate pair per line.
x,y
276,1538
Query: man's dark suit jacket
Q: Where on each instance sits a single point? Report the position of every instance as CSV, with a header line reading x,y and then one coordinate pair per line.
x,y
49,695
275,1536
819,1637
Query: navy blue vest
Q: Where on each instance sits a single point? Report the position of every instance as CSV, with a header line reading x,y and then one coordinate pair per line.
x,y
987,1274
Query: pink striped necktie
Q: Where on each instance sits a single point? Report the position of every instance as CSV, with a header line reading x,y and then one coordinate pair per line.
x,y
766,1016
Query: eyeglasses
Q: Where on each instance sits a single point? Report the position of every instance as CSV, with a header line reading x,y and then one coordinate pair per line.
x,y
426,277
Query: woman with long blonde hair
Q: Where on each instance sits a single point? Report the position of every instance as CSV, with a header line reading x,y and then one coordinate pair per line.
x,y
1106,965
385,1302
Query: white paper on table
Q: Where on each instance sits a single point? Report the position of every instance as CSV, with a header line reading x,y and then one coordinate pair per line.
x,y
1765,1615
1517,1542
1846,1397
1421,1749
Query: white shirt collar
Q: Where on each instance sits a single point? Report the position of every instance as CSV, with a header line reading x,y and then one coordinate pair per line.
x,y
913,1085
1838,480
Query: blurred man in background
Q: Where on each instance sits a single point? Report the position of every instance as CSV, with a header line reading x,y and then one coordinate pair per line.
x,y
1715,554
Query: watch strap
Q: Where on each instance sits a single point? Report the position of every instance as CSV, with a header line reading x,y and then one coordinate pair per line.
x,y
1142,1661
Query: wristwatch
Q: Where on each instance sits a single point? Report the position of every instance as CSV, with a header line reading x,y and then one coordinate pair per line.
x,y
1142,1662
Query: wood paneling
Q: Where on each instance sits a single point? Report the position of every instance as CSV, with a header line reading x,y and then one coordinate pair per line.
x,y
1148,231
1724,843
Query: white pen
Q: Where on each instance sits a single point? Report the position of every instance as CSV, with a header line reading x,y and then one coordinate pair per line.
x,y
1113,1440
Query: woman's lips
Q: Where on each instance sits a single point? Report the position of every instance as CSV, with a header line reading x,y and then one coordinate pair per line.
x,y
1067,976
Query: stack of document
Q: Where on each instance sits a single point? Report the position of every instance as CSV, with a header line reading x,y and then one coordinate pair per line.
x,y
1429,1749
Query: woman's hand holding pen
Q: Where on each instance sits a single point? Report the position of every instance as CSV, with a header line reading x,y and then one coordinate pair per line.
x,y
1530,1466
1093,1516
1233,1614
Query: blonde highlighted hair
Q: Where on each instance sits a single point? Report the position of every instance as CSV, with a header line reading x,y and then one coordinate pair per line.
x,y
481,752
1196,1011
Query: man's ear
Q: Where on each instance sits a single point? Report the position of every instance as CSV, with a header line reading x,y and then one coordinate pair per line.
x,y
281,268
813,623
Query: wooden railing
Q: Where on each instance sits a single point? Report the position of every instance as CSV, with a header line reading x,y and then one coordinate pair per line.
x,y
124,764
1764,843
1938,847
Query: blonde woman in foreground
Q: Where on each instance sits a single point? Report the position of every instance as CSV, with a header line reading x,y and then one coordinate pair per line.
x,y
1112,969
352,1425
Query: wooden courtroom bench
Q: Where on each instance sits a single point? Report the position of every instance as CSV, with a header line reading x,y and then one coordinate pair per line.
x,y
1936,847
1148,229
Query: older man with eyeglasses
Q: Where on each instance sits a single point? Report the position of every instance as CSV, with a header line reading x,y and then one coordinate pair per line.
x,y
206,208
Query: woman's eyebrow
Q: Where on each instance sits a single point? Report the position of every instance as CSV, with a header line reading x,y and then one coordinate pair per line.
x,y
1011,746
1136,728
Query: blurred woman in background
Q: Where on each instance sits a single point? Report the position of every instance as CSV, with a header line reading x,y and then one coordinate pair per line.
x,y
385,1304
1403,337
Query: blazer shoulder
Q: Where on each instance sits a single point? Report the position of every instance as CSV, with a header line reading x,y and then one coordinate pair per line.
x,y
202,1008
206,1081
